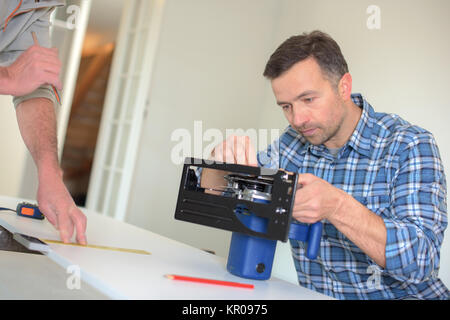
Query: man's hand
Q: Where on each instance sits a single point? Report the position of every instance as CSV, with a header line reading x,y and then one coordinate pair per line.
x,y
57,205
237,150
316,199
35,67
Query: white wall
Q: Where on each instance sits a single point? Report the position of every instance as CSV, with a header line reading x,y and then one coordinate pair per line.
x,y
208,67
13,154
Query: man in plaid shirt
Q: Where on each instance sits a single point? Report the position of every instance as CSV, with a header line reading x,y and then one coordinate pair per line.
x,y
375,181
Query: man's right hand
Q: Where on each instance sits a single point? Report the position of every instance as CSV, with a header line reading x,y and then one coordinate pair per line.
x,y
235,150
33,68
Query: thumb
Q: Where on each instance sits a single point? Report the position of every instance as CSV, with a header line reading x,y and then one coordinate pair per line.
x,y
65,227
304,179
49,214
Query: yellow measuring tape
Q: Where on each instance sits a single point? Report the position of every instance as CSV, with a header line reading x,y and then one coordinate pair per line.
x,y
99,247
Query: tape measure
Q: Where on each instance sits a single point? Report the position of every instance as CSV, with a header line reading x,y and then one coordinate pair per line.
x,y
99,247
28,210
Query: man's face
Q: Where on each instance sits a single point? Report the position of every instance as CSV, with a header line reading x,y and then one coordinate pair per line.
x,y
310,103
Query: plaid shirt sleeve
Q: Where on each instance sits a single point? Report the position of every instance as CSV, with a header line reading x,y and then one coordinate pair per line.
x,y
417,217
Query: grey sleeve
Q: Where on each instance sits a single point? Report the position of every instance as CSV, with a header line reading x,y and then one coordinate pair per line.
x,y
45,91
37,22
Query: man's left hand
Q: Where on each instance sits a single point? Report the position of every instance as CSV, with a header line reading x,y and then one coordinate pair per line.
x,y
316,199
57,205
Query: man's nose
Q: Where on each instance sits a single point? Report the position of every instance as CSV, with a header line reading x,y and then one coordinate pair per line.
x,y
300,116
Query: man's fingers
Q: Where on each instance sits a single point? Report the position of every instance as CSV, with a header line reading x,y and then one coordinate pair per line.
x,y
243,150
246,151
250,153
35,50
236,149
219,153
79,220
47,57
67,223
81,238
49,67
229,153
33,68
239,150
65,227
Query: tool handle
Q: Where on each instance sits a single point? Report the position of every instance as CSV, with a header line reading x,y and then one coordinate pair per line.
x,y
314,235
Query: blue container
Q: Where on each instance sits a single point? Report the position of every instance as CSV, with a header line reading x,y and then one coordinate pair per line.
x,y
251,257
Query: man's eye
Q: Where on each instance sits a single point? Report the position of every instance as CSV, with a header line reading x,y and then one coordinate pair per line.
x,y
308,100
286,107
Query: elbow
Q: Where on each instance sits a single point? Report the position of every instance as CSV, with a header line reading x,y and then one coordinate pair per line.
x,y
414,260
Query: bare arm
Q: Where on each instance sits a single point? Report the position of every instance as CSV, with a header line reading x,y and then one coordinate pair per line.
x,y
363,227
37,124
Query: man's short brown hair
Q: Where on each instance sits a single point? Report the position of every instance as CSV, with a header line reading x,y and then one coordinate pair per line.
x,y
316,44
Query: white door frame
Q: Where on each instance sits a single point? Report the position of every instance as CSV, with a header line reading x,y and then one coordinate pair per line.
x,y
125,104
72,65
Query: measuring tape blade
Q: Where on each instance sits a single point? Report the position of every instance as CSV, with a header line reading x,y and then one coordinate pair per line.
x,y
99,247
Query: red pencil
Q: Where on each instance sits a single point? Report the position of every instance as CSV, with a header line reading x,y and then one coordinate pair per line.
x,y
210,281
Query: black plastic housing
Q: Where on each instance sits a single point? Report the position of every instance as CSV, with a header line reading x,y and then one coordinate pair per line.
x,y
196,206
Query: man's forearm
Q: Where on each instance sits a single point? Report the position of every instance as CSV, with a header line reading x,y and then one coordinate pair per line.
x,y
37,123
363,227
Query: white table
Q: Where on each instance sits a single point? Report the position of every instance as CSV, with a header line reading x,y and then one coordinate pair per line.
x,y
123,275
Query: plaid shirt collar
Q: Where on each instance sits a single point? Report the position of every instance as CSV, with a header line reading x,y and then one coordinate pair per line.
x,y
360,139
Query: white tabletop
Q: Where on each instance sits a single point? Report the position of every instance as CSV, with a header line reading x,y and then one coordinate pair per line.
x,y
27,276
123,275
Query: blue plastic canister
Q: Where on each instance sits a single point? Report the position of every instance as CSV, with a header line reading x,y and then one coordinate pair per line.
x,y
251,257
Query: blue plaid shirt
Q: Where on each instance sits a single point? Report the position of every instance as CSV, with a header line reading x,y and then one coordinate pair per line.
x,y
395,170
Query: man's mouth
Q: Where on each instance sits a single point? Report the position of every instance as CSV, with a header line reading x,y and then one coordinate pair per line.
x,y
308,132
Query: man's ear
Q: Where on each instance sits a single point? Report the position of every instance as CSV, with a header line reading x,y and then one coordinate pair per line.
x,y
345,87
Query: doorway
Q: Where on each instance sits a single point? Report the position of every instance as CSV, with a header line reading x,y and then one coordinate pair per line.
x,y
89,96
84,120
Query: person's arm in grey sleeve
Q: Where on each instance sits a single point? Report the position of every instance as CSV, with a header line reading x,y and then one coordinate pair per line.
x,y
37,123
